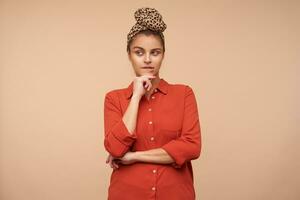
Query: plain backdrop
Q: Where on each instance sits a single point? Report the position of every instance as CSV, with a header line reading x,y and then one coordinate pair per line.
x,y
59,58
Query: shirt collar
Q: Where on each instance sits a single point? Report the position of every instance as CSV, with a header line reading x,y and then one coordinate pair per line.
x,y
162,87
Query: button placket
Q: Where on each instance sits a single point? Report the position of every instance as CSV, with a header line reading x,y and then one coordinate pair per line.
x,y
152,139
154,172
151,136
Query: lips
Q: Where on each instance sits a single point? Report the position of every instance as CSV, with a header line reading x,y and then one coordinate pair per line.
x,y
148,67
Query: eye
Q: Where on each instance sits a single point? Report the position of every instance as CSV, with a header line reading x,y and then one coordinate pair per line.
x,y
139,53
155,53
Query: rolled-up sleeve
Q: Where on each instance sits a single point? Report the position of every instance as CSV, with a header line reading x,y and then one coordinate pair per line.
x,y
117,139
188,145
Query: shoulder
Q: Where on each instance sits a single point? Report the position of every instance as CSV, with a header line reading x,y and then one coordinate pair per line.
x,y
181,88
115,93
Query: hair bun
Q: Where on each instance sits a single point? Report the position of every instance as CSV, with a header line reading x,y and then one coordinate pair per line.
x,y
150,18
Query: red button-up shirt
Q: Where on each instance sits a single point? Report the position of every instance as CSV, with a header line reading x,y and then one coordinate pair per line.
x,y
169,120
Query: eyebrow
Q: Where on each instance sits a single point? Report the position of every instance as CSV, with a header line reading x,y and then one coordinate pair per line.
x,y
143,48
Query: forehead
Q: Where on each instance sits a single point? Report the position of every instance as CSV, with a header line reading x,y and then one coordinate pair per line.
x,y
147,41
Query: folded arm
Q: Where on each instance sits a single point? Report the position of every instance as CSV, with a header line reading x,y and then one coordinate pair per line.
x,y
177,151
119,129
188,145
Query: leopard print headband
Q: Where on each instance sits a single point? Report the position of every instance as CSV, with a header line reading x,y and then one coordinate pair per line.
x,y
147,18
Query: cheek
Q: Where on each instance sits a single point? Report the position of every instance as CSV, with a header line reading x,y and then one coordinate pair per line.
x,y
137,63
137,59
158,59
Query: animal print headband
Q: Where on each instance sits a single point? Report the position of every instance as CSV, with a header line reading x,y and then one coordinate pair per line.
x,y
147,18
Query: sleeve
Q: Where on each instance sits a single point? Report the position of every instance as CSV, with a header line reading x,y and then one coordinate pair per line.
x,y
118,139
188,145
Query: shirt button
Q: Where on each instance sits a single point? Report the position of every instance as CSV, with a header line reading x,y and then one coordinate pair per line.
x,y
153,97
152,138
150,122
154,171
153,188
149,109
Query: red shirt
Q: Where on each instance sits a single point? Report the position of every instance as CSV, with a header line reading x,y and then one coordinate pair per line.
x,y
169,120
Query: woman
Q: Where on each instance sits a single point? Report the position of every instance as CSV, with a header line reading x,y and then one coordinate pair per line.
x,y
152,129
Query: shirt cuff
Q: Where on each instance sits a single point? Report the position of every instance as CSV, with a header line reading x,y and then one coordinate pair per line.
x,y
171,149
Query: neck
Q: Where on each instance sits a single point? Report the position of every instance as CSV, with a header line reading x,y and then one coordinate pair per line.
x,y
155,81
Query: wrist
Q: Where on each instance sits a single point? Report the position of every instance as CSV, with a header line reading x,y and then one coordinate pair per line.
x,y
136,97
137,156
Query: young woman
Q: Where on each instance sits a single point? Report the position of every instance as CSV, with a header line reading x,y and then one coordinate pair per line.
x,y
152,128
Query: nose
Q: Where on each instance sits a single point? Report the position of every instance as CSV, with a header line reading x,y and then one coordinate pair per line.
x,y
147,58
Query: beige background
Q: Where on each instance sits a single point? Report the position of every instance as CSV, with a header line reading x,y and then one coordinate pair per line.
x,y
59,58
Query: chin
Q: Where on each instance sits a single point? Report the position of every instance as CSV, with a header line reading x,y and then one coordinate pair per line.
x,y
141,73
145,73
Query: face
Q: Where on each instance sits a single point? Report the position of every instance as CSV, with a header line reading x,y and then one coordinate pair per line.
x,y
146,54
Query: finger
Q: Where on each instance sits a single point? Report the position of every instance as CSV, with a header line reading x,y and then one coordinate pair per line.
x,y
116,163
149,85
149,76
110,164
147,81
107,159
113,165
145,84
